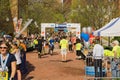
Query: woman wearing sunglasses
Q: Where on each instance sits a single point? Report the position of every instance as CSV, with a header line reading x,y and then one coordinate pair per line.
x,y
7,63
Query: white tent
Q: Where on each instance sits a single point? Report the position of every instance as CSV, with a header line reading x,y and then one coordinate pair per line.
x,y
110,29
104,27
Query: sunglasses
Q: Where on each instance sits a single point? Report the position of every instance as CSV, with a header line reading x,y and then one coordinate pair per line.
x,y
3,47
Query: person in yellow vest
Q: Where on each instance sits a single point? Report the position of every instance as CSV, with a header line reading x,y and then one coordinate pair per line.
x,y
64,47
108,53
78,47
35,41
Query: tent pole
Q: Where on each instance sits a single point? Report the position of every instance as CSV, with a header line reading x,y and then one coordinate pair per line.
x,y
108,41
100,40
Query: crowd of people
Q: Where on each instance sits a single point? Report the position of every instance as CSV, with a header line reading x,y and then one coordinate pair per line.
x,y
107,59
12,59
13,53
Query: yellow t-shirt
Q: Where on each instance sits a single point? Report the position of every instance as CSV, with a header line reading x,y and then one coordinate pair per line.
x,y
78,46
64,44
108,53
117,49
35,41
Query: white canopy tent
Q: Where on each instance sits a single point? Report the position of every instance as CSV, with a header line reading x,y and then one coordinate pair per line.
x,y
104,27
110,29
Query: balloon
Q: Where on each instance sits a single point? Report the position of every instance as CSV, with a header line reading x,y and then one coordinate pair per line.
x,y
84,30
89,30
85,36
82,34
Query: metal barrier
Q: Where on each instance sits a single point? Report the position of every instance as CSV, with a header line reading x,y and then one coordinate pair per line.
x,y
107,68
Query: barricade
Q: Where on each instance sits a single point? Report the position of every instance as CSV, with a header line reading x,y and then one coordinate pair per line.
x,y
110,67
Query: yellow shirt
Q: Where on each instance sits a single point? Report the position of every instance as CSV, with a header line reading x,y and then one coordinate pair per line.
x,y
35,41
117,49
64,44
78,46
108,53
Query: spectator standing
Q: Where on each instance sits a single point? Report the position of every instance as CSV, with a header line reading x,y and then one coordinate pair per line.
x,y
78,47
35,41
23,56
115,61
16,52
7,62
98,53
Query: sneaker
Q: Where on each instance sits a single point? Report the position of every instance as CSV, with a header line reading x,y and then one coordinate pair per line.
x,y
39,56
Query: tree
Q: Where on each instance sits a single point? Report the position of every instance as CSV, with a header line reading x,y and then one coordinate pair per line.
x,y
94,12
47,11
6,23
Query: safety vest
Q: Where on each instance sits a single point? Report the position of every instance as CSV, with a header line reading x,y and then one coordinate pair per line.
x,y
108,53
35,41
78,46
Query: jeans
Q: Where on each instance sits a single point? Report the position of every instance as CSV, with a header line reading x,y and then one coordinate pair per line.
x,y
114,69
70,47
98,67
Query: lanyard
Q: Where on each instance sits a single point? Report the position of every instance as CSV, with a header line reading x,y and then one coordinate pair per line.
x,y
4,64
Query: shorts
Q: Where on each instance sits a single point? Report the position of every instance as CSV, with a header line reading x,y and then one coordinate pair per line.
x,y
51,47
18,66
64,51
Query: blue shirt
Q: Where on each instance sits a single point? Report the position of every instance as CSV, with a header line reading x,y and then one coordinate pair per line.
x,y
51,41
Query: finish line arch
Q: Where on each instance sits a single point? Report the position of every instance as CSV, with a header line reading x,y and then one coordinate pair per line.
x,y
67,25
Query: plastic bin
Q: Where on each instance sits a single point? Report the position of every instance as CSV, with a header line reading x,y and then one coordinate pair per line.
x,y
89,70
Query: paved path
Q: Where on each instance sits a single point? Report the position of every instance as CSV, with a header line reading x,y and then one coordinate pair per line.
x,y
51,67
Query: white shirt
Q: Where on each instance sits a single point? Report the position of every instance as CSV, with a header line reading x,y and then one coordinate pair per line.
x,y
98,51
18,57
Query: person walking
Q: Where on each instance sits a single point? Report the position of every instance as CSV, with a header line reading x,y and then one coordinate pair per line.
x,y
70,45
40,46
98,53
51,46
64,46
